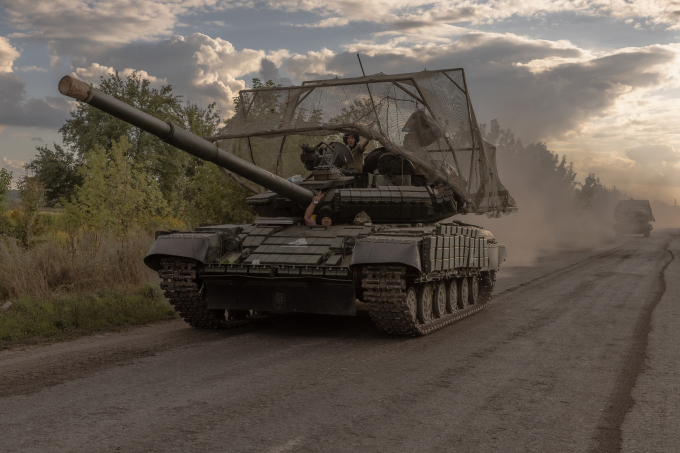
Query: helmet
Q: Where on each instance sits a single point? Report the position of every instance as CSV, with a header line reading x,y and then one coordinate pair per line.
x,y
346,136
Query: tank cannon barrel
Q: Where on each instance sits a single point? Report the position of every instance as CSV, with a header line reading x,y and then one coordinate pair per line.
x,y
186,141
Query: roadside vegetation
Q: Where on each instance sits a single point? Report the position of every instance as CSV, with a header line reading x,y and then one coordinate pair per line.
x,y
72,247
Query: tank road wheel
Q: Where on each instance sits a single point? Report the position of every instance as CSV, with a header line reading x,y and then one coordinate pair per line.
x,y
399,307
439,305
412,301
425,314
473,289
452,296
463,293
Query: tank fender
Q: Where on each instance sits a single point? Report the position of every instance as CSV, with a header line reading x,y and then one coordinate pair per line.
x,y
199,247
367,251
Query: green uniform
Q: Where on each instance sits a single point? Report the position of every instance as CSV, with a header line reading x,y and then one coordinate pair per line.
x,y
358,155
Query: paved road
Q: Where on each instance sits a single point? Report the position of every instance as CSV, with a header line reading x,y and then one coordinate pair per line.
x,y
578,353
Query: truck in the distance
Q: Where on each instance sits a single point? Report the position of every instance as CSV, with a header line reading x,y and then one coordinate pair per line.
x,y
633,217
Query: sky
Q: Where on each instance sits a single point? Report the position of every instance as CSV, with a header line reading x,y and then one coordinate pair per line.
x,y
596,80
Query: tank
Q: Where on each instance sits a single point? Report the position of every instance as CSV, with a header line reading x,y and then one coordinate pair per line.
x,y
633,217
394,246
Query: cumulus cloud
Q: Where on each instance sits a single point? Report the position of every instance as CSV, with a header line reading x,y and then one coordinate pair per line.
x,y
412,16
201,68
72,25
269,71
661,154
13,164
15,109
7,55
95,71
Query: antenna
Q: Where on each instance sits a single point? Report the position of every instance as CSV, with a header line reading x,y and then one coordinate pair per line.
x,y
362,66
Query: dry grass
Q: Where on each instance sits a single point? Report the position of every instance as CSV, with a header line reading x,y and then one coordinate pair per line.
x,y
73,263
72,284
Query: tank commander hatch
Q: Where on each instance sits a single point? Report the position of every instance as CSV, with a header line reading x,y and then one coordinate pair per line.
x,y
325,215
357,149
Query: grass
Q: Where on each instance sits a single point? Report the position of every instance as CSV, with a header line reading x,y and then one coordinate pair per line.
x,y
32,319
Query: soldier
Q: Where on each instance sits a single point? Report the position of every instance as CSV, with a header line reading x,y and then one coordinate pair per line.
x,y
325,215
357,150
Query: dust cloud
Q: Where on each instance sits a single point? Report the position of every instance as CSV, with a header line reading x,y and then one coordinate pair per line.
x,y
550,216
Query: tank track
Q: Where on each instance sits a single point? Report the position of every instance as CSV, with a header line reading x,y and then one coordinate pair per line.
x,y
183,291
385,289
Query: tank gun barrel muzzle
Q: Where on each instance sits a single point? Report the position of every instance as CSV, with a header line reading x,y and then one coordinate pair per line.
x,y
179,138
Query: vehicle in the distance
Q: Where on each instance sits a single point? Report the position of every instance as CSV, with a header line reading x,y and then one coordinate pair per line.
x,y
633,217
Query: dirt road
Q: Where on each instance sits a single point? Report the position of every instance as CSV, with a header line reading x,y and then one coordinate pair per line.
x,y
578,353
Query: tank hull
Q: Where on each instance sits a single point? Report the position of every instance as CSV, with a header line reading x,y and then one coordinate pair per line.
x,y
237,269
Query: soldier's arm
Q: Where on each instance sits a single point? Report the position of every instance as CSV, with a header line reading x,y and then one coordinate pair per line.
x,y
310,209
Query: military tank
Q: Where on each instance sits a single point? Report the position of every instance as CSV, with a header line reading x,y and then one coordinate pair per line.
x,y
633,217
393,244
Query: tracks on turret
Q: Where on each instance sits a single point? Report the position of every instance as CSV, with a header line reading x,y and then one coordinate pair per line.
x,y
392,306
184,292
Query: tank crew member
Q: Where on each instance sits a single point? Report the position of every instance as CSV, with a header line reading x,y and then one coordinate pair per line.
x,y
325,215
357,150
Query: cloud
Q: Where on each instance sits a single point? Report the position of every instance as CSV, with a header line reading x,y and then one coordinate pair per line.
x,y
13,164
414,16
30,69
95,71
269,71
662,154
326,23
15,109
201,68
69,26
7,55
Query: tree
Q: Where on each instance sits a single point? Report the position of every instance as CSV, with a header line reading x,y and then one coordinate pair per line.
x,y
89,128
211,199
27,221
5,186
57,172
115,195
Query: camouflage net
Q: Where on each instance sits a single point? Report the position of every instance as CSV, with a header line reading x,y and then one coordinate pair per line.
x,y
426,117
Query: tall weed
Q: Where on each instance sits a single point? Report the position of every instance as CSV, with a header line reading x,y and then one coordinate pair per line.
x,y
83,261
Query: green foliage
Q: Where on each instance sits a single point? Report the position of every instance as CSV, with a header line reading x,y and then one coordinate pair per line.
x,y
28,223
210,199
114,195
89,128
57,171
5,187
65,315
257,85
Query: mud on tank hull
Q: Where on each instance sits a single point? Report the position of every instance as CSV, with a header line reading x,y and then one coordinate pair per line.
x,y
414,278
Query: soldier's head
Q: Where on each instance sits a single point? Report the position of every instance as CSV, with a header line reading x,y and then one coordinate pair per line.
x,y
350,139
326,216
